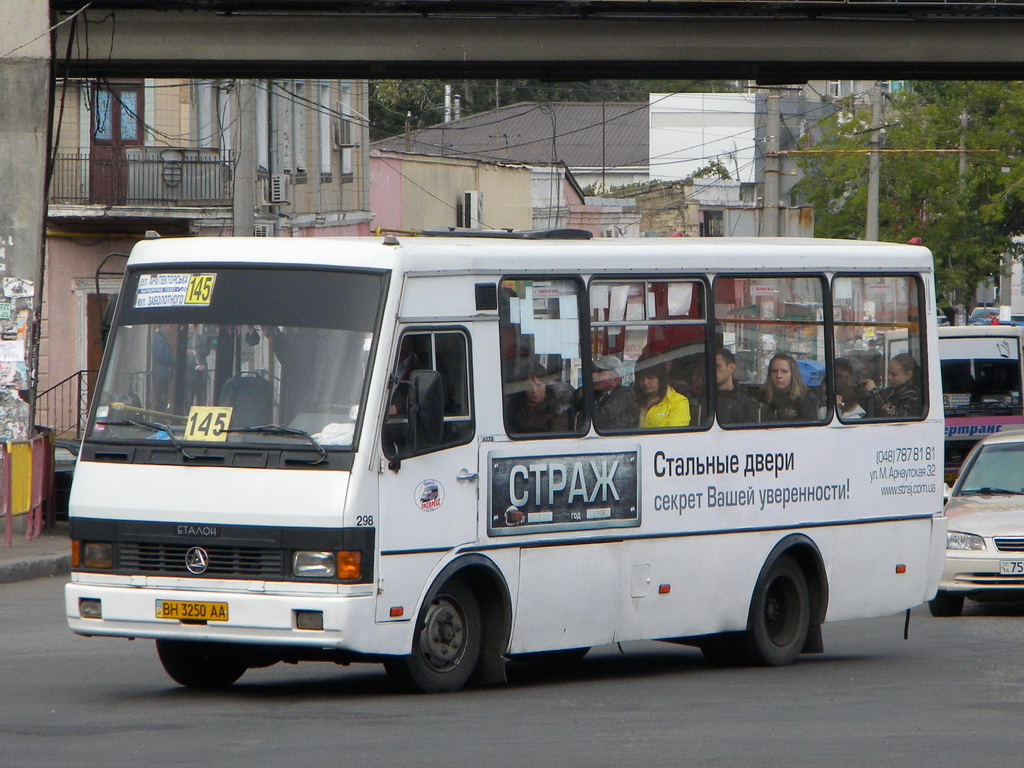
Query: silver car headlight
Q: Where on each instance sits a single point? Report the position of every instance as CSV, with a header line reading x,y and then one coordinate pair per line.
x,y
963,541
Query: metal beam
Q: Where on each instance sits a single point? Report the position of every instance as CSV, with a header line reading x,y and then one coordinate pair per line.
x,y
203,44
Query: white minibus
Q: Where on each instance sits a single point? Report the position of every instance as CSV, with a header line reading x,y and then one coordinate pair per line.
x,y
447,454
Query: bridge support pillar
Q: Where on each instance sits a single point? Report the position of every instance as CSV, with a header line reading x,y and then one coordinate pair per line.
x,y
25,83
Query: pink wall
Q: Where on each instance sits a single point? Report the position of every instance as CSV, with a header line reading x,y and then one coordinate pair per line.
x,y
386,190
68,258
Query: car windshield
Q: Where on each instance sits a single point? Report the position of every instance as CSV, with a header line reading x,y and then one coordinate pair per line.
x,y
997,468
240,356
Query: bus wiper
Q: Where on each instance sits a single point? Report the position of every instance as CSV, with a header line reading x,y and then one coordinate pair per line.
x,y
156,427
277,429
986,491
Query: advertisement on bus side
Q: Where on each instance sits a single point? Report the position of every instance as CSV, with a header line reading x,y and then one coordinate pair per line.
x,y
563,492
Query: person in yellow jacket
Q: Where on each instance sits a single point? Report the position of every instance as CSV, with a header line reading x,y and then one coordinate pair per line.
x,y
661,406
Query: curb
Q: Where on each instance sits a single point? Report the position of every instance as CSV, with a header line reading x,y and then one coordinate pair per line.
x,y
34,567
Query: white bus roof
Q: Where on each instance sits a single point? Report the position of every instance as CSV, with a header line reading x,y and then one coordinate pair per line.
x,y
979,331
508,256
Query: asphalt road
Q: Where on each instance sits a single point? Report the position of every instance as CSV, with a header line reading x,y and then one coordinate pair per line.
x,y
951,695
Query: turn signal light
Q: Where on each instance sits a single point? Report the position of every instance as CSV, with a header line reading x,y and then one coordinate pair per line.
x,y
350,564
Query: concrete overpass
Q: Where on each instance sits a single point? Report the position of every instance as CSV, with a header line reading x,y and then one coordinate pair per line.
x,y
558,39
562,39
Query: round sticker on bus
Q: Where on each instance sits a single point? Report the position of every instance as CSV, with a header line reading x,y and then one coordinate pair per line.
x,y
429,495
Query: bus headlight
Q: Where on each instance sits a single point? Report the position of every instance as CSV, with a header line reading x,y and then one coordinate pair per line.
x,y
963,541
314,565
92,554
346,565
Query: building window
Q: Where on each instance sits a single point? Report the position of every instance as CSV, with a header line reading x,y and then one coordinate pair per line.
x,y
713,224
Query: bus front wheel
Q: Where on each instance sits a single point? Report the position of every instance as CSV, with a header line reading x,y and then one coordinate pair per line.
x,y
206,666
446,645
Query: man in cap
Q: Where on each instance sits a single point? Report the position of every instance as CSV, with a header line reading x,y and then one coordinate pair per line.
x,y
615,406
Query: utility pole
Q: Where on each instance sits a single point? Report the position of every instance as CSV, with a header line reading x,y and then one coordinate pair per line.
x,y
962,167
874,162
243,196
770,212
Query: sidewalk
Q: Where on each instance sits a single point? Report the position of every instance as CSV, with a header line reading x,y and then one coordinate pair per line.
x,y
47,555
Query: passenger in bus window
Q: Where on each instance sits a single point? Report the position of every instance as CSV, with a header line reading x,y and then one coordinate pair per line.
x,y
902,397
686,376
533,405
735,404
785,393
849,393
661,406
615,406
162,367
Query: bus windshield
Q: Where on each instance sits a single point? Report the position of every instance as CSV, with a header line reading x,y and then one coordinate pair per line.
x,y
240,356
981,375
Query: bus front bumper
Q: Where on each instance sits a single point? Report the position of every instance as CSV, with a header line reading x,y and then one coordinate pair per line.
x,y
234,617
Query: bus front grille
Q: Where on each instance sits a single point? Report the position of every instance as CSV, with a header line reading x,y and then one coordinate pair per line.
x,y
224,562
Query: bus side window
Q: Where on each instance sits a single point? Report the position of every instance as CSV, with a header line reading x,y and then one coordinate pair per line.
x,y
879,347
447,352
541,362
773,329
657,331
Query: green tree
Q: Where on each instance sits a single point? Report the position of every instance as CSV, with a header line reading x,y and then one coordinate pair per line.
x,y
966,207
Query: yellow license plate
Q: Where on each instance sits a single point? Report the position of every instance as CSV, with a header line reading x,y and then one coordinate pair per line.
x,y
191,610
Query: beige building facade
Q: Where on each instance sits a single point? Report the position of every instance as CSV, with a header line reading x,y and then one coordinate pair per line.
x,y
168,158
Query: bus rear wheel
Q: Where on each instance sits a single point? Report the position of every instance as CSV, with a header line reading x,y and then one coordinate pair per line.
x,y
779,615
205,666
777,626
446,645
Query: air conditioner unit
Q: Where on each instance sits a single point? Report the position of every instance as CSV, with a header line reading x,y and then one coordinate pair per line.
x,y
277,189
263,230
341,134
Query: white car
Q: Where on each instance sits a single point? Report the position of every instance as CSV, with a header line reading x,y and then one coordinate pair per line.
x,y
985,542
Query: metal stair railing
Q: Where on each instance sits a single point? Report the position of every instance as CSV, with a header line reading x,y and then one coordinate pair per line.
x,y
64,407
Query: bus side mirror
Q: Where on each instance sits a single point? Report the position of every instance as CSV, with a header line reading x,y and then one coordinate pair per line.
x,y
418,408
426,408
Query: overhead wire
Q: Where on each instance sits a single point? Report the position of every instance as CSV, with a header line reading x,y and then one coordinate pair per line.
x,y
48,32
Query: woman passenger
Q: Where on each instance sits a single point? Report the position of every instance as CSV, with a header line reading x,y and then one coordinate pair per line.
x,y
660,405
785,393
903,395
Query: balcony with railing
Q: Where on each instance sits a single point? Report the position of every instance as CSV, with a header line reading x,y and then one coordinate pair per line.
x,y
144,177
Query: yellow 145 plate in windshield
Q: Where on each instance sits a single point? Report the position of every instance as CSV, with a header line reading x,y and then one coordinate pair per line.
x,y
191,610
